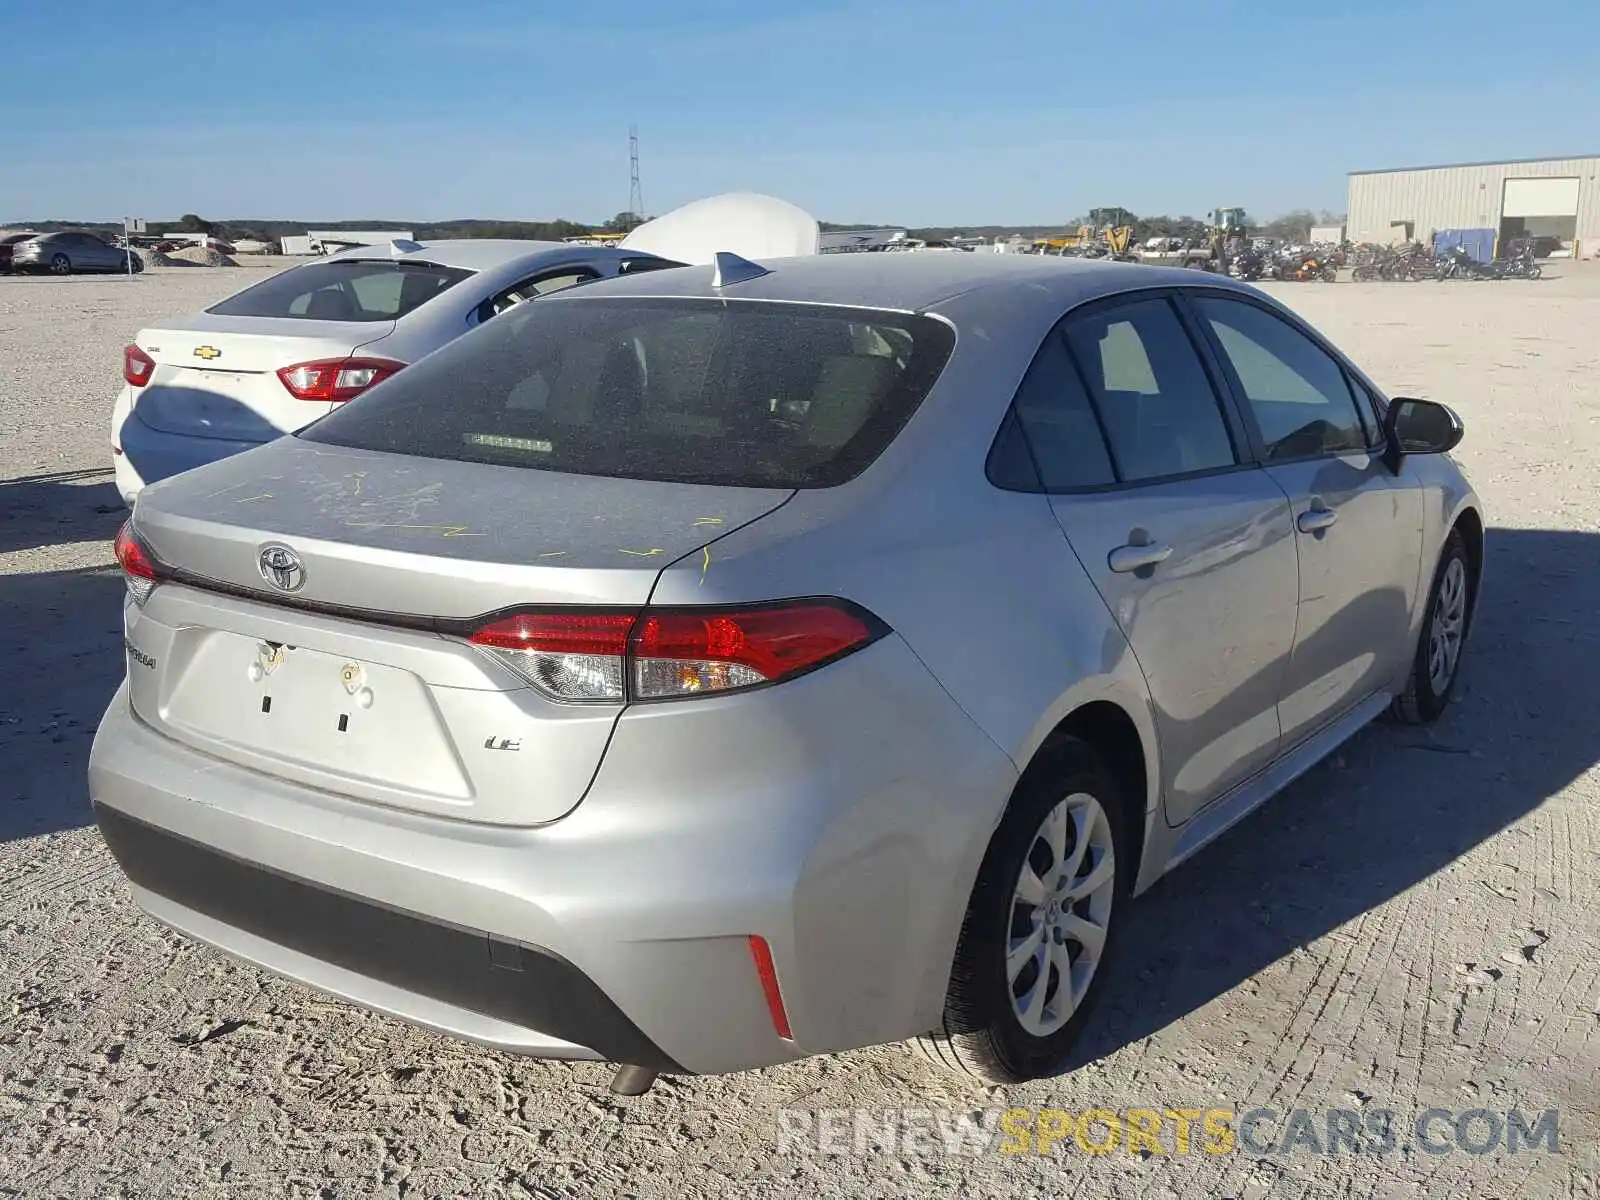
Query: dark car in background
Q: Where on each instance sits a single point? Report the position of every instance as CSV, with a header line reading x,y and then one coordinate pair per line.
x,y
70,252
8,243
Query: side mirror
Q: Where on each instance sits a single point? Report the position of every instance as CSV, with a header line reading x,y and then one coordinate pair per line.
x,y
1419,427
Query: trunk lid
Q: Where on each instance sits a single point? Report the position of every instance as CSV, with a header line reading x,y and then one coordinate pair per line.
x,y
216,376
375,693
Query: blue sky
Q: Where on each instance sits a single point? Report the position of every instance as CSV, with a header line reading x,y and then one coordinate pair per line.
x,y
936,112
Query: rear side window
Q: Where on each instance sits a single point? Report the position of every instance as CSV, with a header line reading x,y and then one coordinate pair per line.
x,y
734,393
345,290
1060,426
1156,402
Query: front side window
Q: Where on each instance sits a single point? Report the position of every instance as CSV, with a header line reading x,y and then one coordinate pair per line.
x,y
344,290
1160,412
1298,393
732,393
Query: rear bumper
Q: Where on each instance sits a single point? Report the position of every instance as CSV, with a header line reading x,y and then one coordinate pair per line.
x,y
845,833
295,927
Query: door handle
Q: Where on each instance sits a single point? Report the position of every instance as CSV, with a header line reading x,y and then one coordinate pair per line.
x,y
1315,520
1137,557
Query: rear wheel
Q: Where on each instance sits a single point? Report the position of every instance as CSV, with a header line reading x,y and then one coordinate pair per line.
x,y
61,265
1439,647
1039,927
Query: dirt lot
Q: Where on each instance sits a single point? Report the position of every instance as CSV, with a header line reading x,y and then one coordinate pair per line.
x,y
1412,926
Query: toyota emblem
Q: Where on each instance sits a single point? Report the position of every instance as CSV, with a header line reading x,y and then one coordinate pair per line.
x,y
280,566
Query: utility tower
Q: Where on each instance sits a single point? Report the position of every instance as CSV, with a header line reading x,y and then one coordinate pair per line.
x,y
635,192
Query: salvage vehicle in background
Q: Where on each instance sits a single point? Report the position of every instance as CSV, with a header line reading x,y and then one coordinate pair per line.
x,y
287,350
8,243
71,252
702,669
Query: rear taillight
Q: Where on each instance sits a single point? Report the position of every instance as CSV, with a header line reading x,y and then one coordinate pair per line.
x,y
576,655
336,379
138,568
137,366
660,654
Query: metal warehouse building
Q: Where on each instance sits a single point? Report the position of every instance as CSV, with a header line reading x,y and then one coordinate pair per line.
x,y
1536,197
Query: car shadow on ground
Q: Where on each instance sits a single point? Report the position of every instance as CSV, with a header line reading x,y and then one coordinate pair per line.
x,y
58,508
1393,807
61,646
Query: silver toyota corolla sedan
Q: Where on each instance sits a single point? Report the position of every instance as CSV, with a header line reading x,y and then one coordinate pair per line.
x,y
718,666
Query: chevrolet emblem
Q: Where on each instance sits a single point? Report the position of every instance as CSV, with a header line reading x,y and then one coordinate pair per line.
x,y
207,352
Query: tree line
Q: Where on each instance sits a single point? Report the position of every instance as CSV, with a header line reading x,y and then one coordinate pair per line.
x,y
1292,226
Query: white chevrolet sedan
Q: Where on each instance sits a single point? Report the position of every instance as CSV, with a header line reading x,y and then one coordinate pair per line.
x,y
271,359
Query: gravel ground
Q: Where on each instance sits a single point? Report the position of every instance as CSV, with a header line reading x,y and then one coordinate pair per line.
x,y
1411,926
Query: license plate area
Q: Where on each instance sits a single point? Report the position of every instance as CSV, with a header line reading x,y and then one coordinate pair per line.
x,y
359,720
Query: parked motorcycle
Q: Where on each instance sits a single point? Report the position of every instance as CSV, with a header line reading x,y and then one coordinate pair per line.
x,y
1521,265
1304,265
1248,264
1458,263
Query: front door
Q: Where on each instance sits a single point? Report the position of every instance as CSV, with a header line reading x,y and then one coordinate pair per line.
x,y
1192,552
1358,528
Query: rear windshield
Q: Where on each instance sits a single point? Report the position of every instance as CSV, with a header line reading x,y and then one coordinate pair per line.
x,y
344,290
733,393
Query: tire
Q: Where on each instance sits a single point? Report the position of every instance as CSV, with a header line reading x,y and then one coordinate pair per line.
x,y
1535,271
986,1027
60,264
1448,618
1330,274
136,262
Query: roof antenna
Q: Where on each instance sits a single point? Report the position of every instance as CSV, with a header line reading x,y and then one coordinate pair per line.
x,y
729,268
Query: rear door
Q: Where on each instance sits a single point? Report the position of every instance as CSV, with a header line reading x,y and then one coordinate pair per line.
x,y
1358,527
94,253
1189,545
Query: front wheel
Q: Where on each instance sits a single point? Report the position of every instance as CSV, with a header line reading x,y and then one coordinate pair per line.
x,y
61,265
1535,271
1437,662
1039,926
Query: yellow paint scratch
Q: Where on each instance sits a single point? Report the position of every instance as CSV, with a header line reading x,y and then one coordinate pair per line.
x,y
708,520
651,553
441,530
553,554
705,565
